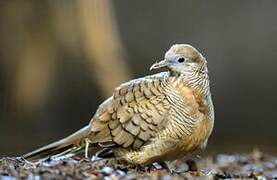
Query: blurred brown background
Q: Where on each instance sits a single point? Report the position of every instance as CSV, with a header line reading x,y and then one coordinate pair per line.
x,y
60,59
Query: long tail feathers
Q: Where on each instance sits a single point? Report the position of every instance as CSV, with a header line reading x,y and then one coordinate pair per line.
x,y
69,145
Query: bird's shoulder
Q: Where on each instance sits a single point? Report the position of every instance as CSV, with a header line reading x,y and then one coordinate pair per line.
x,y
142,85
134,91
134,113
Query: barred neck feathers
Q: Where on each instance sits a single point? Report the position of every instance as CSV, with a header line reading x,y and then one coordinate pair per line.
x,y
197,80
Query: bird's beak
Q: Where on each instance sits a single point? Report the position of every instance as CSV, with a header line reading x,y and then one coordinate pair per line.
x,y
160,64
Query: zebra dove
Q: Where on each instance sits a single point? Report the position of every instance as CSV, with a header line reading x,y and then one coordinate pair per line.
x,y
155,118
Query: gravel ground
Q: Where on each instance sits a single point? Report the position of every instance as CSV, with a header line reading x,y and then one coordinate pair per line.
x,y
255,165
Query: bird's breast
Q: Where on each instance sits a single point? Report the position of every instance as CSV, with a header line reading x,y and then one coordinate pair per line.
x,y
191,116
200,134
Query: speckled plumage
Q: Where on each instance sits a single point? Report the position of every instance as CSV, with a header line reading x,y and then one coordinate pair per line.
x,y
155,118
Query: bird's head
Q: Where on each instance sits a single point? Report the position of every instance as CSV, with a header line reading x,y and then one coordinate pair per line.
x,y
182,59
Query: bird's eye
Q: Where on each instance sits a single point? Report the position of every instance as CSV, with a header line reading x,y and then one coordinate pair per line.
x,y
180,60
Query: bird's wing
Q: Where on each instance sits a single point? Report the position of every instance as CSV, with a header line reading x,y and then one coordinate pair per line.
x,y
133,115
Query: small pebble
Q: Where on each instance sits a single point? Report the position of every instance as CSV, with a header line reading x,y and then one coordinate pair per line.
x,y
120,173
167,177
181,168
157,166
107,170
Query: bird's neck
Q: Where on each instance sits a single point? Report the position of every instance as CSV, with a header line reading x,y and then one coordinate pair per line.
x,y
197,80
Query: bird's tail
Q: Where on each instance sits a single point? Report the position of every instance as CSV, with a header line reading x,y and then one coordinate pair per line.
x,y
69,145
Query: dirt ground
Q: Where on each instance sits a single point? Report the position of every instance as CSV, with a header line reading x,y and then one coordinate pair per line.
x,y
255,165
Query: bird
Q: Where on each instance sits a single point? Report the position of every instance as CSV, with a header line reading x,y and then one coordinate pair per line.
x,y
155,118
